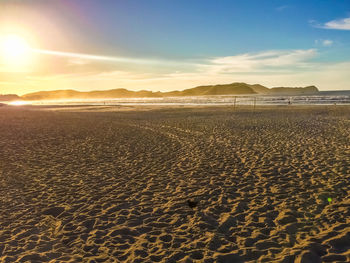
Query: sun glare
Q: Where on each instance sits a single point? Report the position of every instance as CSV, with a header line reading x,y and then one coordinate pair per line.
x,y
19,103
15,51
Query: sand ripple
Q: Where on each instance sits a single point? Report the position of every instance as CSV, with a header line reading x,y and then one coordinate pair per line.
x,y
271,185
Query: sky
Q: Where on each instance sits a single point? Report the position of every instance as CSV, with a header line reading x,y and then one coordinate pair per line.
x,y
164,45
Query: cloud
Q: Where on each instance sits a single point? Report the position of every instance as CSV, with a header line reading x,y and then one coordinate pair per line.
x,y
78,61
338,24
275,60
283,7
89,57
83,59
270,68
324,42
327,42
326,76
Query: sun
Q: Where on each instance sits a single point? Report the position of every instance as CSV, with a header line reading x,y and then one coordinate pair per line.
x,y
15,51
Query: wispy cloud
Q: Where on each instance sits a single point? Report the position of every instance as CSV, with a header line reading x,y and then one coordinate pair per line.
x,y
269,68
327,42
274,60
83,59
324,42
338,24
78,61
283,7
86,57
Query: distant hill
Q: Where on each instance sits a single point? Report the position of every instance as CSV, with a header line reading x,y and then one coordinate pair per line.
x,y
226,89
9,97
294,91
260,89
236,88
335,93
73,94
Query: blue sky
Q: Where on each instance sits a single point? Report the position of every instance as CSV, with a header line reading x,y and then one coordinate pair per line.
x,y
217,28
168,44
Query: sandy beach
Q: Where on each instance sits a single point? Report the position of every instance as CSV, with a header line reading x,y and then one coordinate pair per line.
x,y
112,184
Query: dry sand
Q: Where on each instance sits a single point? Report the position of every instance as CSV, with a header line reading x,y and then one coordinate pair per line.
x,y
112,185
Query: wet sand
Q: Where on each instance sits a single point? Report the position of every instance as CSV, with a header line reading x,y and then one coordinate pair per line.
x,y
99,184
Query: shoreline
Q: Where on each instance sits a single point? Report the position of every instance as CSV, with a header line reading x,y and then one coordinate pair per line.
x,y
175,106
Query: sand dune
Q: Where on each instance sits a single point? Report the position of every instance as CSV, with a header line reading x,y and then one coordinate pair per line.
x,y
112,186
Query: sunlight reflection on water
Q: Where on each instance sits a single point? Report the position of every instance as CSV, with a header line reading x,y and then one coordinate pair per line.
x,y
201,100
207,100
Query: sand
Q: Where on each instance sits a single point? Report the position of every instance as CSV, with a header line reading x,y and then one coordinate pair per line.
x,y
112,185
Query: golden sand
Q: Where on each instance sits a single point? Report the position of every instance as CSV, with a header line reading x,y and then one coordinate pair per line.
x,y
112,184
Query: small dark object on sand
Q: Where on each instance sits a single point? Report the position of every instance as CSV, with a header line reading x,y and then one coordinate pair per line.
x,y
54,211
192,203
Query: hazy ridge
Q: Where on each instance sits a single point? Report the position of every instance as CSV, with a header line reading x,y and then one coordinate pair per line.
x,y
225,89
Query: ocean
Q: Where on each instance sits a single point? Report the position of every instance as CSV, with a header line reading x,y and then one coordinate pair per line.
x,y
323,98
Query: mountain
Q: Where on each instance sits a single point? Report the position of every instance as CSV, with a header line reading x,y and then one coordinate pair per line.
x,y
335,93
236,88
228,89
9,97
294,91
260,89
103,94
225,89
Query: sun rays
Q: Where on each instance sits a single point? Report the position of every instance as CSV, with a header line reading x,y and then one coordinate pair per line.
x,y
15,52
